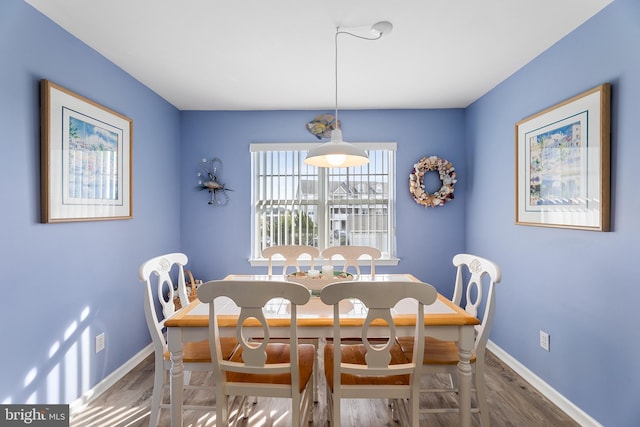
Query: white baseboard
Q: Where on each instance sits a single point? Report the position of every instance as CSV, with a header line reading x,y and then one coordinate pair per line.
x,y
545,389
80,403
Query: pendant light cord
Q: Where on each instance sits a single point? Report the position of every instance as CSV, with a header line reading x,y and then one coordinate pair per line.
x,y
338,32
336,76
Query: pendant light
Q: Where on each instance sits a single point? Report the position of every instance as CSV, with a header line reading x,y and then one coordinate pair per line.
x,y
338,153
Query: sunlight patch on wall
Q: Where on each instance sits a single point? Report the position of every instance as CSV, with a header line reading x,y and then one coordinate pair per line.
x,y
53,385
28,379
70,330
85,357
70,373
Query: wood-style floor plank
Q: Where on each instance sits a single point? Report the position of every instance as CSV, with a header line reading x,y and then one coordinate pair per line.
x,y
512,402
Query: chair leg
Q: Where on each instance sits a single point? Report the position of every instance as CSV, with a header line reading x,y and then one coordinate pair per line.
x,y
310,413
333,408
222,408
481,394
314,376
246,403
335,411
295,411
395,416
453,382
159,377
415,409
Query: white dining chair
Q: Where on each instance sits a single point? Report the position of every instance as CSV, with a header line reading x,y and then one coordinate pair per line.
x,y
375,368
260,367
157,273
441,357
292,256
351,255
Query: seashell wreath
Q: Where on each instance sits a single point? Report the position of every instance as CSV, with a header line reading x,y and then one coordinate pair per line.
x,y
447,176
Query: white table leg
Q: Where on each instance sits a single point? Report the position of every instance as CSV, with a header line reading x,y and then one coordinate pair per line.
x,y
465,347
174,342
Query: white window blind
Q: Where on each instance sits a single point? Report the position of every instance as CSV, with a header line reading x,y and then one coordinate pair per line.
x,y
297,204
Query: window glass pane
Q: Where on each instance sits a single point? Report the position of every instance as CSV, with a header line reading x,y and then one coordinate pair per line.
x,y
298,204
359,203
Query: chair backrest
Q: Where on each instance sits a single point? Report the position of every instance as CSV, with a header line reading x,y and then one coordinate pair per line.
x,y
156,273
378,298
351,254
291,254
475,268
251,296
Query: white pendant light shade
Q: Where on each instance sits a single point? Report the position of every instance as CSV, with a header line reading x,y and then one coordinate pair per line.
x,y
337,154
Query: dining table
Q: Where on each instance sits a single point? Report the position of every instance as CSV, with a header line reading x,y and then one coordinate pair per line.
x,y
443,320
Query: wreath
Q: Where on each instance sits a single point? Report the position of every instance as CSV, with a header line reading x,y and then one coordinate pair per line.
x,y
447,175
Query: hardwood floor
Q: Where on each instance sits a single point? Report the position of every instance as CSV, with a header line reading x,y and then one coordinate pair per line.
x,y
512,402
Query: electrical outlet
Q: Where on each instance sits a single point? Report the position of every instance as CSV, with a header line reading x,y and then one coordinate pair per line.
x,y
99,342
544,340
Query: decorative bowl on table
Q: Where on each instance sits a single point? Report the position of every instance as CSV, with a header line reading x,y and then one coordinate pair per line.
x,y
319,281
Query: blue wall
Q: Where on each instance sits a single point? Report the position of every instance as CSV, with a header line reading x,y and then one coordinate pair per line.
x,y
579,286
64,283
218,239
80,279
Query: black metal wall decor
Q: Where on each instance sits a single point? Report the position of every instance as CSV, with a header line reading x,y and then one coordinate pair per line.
x,y
209,172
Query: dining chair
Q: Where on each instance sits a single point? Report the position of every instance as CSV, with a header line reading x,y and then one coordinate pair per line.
x,y
291,254
156,274
351,254
260,367
441,357
375,368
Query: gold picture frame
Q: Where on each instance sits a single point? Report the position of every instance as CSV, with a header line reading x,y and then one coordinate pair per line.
x,y
563,164
86,159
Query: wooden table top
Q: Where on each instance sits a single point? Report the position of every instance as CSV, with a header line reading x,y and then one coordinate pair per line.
x,y
317,314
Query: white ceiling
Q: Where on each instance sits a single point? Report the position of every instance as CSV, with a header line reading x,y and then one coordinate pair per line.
x,y
279,54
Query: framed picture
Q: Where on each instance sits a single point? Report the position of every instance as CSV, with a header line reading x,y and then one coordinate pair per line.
x,y
562,164
86,157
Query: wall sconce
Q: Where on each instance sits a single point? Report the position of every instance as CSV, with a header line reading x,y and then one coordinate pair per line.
x,y
209,172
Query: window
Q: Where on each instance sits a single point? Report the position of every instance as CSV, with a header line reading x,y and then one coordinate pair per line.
x,y
297,204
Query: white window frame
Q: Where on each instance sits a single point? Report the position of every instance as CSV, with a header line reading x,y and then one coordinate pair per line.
x,y
389,257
